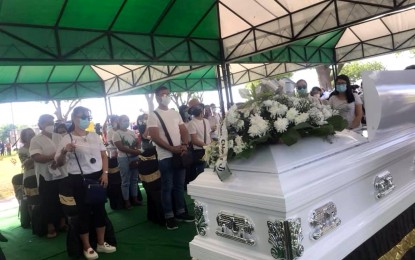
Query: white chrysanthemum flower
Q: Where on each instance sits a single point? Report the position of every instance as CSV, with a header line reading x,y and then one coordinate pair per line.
x,y
281,125
239,145
292,113
239,125
232,116
268,103
259,126
316,116
327,112
278,109
295,101
301,118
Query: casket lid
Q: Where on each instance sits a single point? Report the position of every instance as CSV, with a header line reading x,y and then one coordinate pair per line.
x,y
280,158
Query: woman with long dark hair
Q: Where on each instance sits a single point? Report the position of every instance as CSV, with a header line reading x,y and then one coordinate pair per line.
x,y
85,154
348,103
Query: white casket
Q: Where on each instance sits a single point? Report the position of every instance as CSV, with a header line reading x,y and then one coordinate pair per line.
x,y
315,199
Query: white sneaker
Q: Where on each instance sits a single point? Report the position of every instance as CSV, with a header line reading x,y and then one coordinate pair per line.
x,y
106,248
90,254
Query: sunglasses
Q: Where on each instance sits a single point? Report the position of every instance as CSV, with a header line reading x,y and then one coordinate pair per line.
x,y
84,117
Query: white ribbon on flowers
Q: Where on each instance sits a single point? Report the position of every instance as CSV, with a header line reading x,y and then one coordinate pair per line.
x,y
221,165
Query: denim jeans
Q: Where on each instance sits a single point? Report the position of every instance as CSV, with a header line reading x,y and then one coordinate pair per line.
x,y
172,188
129,178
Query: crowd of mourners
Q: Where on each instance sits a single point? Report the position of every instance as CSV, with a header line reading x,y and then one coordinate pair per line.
x,y
57,161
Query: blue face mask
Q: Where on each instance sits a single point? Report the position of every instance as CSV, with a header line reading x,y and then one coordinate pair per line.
x,y
341,87
302,91
83,123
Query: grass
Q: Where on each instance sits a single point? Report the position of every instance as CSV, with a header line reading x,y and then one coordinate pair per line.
x,y
9,166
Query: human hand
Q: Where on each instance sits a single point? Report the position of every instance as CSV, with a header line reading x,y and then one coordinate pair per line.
x,y
70,147
104,179
177,149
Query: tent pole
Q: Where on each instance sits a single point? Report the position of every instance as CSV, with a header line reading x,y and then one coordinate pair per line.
x,y
219,86
106,106
228,77
109,105
225,82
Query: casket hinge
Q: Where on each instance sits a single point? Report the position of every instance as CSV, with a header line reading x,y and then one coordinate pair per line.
x,y
235,227
383,184
200,220
285,236
323,220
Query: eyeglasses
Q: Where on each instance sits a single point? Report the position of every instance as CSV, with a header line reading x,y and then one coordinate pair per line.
x,y
301,87
165,95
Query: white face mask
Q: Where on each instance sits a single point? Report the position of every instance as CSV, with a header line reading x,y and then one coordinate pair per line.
x,y
165,100
49,129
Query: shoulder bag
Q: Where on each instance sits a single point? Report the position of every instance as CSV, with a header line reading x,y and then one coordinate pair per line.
x,y
94,191
179,161
134,163
199,153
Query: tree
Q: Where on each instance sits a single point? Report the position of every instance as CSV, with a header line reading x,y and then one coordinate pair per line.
x,y
63,117
150,99
5,131
182,98
325,76
354,70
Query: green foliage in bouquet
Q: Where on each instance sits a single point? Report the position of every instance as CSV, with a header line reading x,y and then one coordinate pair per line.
x,y
270,119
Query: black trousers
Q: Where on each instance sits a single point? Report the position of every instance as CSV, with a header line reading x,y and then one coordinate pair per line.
x,y
49,200
86,212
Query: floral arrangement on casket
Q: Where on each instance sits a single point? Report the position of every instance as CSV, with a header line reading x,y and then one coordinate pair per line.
x,y
269,118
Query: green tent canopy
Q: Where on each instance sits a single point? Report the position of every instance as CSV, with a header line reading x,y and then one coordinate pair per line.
x,y
65,49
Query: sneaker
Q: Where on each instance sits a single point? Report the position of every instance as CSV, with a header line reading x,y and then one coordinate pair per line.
x,y
171,224
106,248
184,217
90,254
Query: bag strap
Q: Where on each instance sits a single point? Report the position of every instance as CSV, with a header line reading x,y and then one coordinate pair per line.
x,y
77,160
164,127
204,132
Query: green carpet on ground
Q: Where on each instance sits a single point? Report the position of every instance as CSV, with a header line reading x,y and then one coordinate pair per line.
x,y
137,238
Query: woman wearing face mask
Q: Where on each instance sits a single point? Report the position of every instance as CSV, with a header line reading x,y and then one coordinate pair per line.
x,y
42,150
27,162
348,103
127,145
199,130
83,150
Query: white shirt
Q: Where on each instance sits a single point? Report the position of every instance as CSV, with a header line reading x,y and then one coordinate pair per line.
x,y
87,147
346,110
41,144
196,127
172,120
127,138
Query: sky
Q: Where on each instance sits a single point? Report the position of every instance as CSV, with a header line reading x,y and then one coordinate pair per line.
x,y
27,113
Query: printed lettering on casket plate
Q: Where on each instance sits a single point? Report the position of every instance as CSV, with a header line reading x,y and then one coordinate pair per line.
x,y
323,220
235,227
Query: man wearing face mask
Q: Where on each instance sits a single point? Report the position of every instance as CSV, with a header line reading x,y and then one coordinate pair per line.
x,y
301,88
42,150
172,179
348,103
